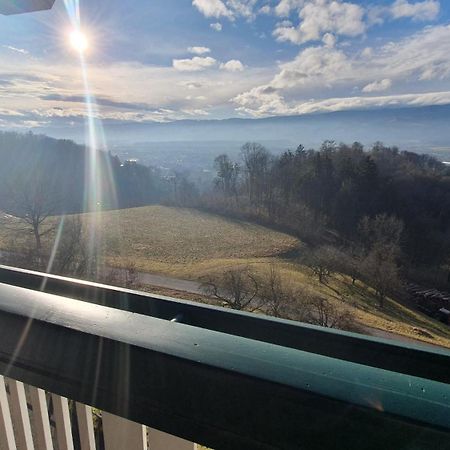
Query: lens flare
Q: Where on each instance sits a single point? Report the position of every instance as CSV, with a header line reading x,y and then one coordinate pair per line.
x,y
78,41
100,189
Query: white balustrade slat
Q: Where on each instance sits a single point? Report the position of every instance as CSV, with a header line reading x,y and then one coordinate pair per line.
x,y
62,420
158,440
120,434
7,440
20,416
40,419
85,427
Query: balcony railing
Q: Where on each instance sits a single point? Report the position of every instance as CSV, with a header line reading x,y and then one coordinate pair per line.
x,y
166,373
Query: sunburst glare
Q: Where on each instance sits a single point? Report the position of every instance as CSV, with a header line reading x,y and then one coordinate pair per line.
x,y
100,189
79,41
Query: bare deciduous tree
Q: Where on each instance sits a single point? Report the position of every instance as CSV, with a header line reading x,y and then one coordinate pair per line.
x,y
325,314
273,292
256,163
33,201
241,289
70,253
381,271
381,230
131,276
349,261
227,175
236,288
322,261
381,237
127,277
280,298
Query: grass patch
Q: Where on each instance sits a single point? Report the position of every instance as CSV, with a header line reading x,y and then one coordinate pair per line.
x,y
180,241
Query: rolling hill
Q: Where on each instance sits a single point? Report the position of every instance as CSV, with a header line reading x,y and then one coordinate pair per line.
x,y
421,129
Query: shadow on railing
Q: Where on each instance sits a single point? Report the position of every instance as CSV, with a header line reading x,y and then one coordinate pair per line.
x,y
222,378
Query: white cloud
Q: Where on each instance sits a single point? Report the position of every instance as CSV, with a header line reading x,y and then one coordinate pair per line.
x,y
378,86
318,17
217,26
199,50
17,50
266,9
230,9
212,8
10,112
420,63
420,11
191,85
195,64
329,40
376,14
367,52
196,97
57,97
261,101
242,8
233,65
340,17
313,66
323,77
284,7
265,103
196,112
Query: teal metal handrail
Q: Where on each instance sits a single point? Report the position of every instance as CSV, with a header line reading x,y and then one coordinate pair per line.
x,y
215,387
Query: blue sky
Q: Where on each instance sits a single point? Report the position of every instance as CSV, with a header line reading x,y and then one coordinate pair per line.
x,y
205,59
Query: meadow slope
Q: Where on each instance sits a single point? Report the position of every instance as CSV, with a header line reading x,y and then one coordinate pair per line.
x,y
188,244
184,242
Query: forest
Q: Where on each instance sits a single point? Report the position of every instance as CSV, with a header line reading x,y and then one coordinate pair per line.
x,y
375,213
57,169
387,205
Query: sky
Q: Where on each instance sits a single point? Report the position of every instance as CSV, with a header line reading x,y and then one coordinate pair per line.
x,y
165,60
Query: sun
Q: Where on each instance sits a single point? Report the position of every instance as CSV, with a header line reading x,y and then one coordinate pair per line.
x,y
78,41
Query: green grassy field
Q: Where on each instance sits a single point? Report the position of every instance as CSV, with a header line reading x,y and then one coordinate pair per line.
x,y
188,244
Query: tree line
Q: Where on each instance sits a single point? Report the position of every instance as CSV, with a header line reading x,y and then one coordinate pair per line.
x,y
376,214
384,208
36,168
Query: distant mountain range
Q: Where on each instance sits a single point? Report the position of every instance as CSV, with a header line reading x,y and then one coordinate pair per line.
x,y
422,129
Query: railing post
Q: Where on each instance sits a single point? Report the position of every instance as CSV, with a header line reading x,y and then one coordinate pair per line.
x,y
20,416
40,419
7,440
85,427
120,434
63,425
158,440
